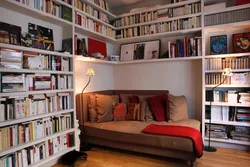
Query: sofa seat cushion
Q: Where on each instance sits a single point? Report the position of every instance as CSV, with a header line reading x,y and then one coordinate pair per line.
x,y
131,132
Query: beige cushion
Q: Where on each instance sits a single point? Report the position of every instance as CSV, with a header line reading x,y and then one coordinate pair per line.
x,y
92,108
146,114
104,105
177,108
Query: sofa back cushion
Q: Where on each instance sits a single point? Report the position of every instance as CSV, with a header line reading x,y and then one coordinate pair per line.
x,y
177,108
104,105
146,114
158,106
128,98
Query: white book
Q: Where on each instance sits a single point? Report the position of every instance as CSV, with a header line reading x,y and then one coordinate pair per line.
x,y
10,161
19,157
31,156
2,112
24,158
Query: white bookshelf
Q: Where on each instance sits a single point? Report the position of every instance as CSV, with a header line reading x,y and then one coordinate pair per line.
x,y
228,86
228,55
228,9
233,71
7,70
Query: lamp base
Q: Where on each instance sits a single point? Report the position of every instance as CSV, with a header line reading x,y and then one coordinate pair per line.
x,y
209,149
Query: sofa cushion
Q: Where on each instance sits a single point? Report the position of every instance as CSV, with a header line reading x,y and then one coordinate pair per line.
x,y
146,114
133,112
128,98
92,108
104,105
119,111
158,106
128,131
177,108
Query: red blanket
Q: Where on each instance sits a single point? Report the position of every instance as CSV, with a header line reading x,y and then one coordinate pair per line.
x,y
178,131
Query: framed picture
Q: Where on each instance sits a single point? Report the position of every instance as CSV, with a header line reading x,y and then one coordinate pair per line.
x,y
241,42
218,44
140,51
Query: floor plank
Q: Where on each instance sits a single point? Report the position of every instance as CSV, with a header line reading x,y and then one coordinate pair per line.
x,y
106,157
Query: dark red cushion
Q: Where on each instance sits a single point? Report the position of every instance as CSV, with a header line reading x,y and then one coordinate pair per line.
x,y
157,106
134,99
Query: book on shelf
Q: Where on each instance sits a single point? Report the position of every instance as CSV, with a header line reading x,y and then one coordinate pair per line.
x,y
216,131
186,47
240,133
11,58
33,154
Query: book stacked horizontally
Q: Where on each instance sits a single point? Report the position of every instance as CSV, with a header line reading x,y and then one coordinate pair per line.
x,y
243,114
241,133
11,59
12,82
244,98
217,131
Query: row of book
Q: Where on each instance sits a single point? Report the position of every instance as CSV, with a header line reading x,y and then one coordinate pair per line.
x,y
31,60
18,107
174,25
237,79
227,17
230,62
230,96
216,131
158,14
38,152
102,3
92,25
91,11
186,47
50,7
15,135
33,82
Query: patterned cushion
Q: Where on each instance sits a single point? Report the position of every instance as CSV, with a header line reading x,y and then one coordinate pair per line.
x,y
120,111
92,108
133,113
146,114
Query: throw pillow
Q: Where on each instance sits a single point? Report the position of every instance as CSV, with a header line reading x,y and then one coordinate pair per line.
x,y
120,111
157,106
146,114
133,113
128,98
92,108
104,105
177,108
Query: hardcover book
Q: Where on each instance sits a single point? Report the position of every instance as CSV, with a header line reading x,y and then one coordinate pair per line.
x,y
218,44
241,42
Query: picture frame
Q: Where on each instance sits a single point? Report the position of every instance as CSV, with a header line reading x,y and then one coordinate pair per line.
x,y
218,44
140,51
241,42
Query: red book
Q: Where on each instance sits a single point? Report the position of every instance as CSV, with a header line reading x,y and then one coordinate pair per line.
x,y
11,136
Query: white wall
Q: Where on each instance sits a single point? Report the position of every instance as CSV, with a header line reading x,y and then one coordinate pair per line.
x,y
179,77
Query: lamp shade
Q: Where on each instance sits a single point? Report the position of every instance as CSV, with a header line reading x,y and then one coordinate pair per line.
x,y
90,72
227,72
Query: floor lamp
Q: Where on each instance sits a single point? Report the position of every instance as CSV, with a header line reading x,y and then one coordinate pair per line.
x,y
226,72
84,146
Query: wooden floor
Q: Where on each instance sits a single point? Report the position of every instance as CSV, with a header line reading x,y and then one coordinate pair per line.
x,y
105,157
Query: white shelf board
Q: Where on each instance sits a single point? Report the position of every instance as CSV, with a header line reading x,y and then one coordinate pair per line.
x,y
35,92
158,35
94,18
22,48
173,5
8,70
159,21
229,123
39,116
93,60
227,27
99,8
92,34
230,141
50,158
228,9
31,143
26,10
228,86
228,55
227,104
233,70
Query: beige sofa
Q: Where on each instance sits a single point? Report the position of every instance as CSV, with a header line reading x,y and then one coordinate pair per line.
x,y
128,135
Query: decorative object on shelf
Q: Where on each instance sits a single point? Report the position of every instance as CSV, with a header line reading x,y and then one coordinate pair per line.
x,y
84,145
115,58
67,45
143,50
226,72
241,42
26,39
218,44
9,33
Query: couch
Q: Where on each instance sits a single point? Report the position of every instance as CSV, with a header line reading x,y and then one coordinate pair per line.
x,y
128,135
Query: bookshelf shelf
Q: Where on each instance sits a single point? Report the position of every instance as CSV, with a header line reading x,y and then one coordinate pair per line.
x,y
7,70
93,60
233,70
228,55
228,86
35,92
25,145
229,123
16,121
191,31
228,9
55,156
21,48
230,141
227,104
159,21
227,27
26,10
173,5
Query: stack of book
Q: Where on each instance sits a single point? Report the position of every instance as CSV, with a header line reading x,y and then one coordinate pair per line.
x,y
186,47
11,59
230,62
18,107
241,133
29,131
244,97
34,154
12,82
217,131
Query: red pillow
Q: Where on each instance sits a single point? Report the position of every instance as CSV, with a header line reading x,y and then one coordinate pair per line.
x,y
134,99
157,106
120,111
